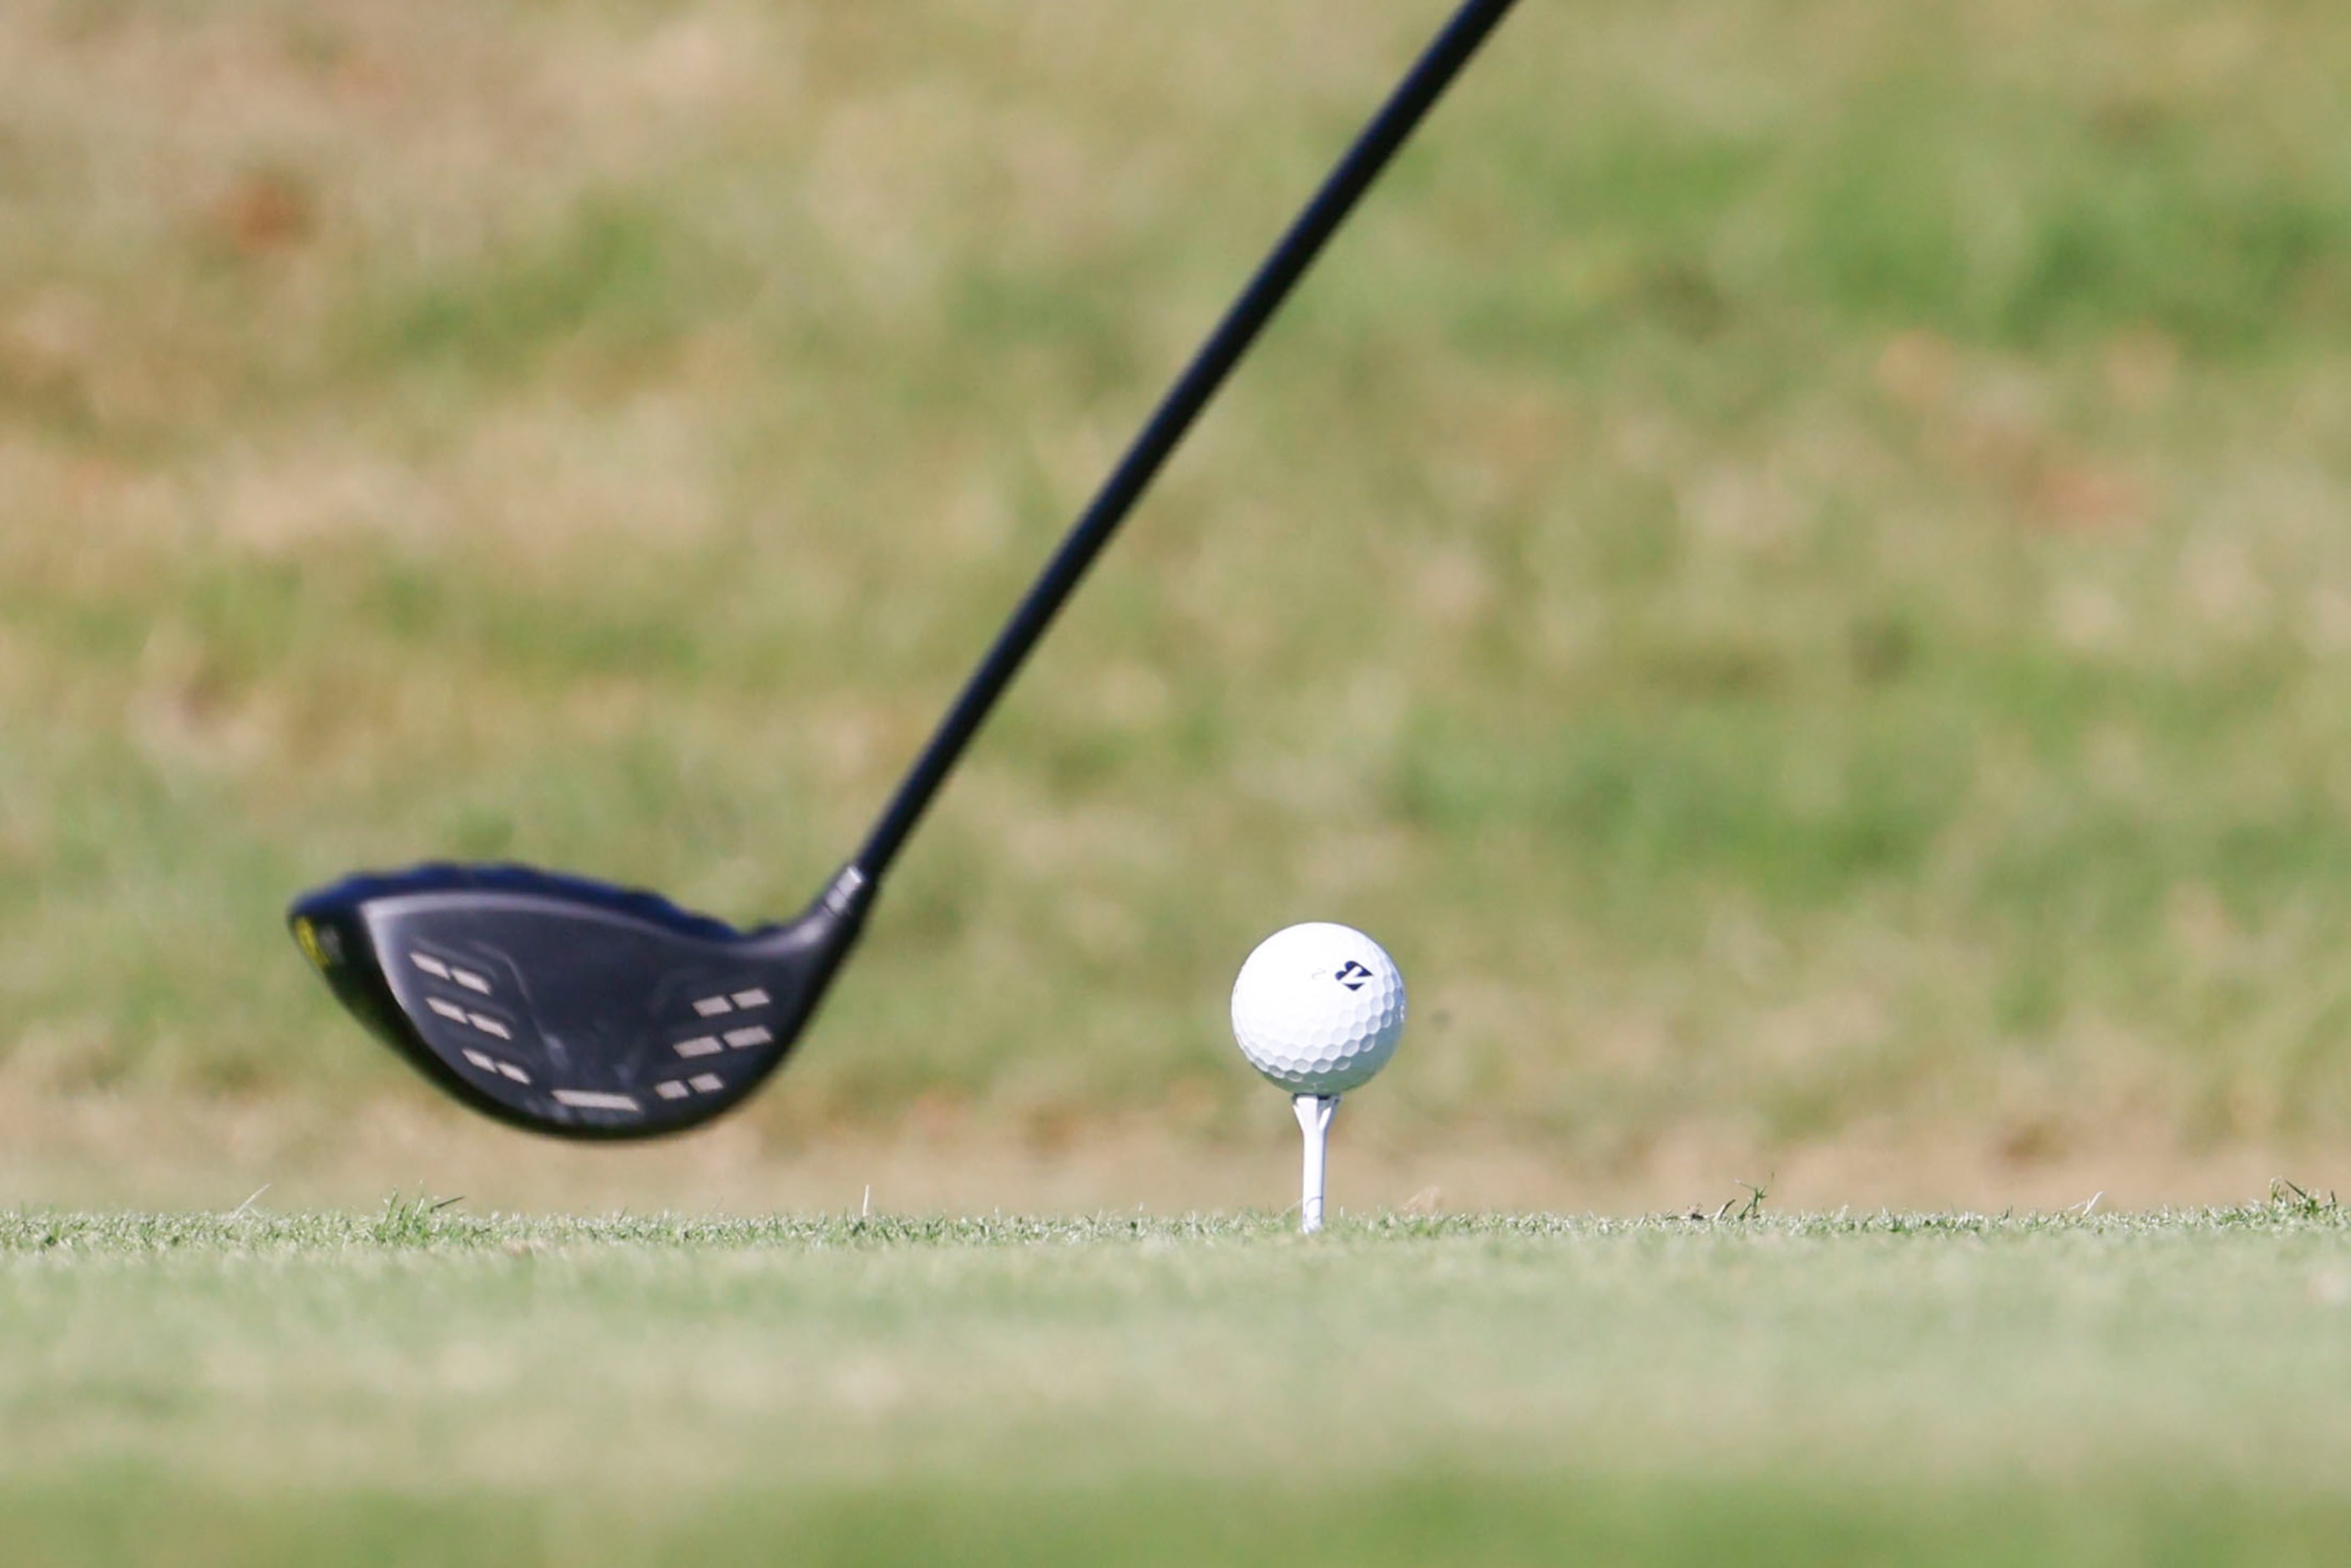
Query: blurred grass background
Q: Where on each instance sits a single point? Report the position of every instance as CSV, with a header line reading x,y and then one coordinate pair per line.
x,y
1792,565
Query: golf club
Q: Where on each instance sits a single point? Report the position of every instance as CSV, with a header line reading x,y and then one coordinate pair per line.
x,y
576,1009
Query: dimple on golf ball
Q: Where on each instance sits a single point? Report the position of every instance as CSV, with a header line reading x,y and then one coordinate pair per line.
x,y
1317,1009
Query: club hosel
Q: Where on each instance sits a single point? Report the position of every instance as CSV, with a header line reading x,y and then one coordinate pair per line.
x,y
832,919
848,895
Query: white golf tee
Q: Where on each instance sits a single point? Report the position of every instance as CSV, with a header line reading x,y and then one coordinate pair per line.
x,y
1314,1112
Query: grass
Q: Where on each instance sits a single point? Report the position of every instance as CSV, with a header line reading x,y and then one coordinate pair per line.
x,y
422,1385
1785,567
1788,567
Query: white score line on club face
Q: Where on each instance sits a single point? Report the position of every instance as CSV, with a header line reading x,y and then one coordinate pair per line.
x,y
588,1100
489,1064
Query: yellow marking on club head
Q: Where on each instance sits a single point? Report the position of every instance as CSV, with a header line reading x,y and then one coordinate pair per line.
x,y
307,936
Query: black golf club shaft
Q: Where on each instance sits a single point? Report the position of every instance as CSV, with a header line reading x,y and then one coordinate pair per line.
x,y
1192,392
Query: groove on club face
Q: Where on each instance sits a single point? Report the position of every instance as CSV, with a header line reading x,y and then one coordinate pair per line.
x,y
569,1007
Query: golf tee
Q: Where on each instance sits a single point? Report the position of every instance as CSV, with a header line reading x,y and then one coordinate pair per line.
x,y
1314,1112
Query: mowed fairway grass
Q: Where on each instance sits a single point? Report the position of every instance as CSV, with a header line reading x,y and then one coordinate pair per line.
x,y
425,1386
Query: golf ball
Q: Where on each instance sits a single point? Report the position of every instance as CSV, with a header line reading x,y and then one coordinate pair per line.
x,y
1317,1009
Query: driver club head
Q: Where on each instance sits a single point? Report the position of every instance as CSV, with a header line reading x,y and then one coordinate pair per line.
x,y
570,1007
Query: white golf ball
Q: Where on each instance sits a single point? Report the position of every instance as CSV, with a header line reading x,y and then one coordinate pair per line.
x,y
1317,1009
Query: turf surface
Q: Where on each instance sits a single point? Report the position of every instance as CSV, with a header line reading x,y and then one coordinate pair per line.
x,y
423,1385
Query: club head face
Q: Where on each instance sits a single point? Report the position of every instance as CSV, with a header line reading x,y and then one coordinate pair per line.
x,y
570,1007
